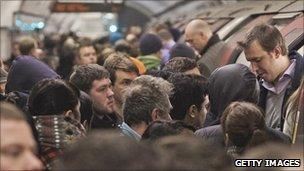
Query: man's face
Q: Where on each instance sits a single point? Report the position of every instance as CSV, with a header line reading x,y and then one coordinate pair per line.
x,y
123,80
204,110
2,87
165,114
263,63
102,96
200,115
87,55
196,39
18,148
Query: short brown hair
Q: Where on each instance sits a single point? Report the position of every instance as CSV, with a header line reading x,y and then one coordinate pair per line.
x,y
84,76
267,35
26,44
119,61
100,149
244,123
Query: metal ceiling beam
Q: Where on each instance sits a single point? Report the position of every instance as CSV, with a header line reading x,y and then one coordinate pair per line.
x,y
178,4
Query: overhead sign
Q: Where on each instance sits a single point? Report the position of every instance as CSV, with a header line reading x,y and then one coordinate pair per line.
x,y
106,6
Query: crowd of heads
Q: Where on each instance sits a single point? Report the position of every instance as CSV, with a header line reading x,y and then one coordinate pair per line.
x,y
141,101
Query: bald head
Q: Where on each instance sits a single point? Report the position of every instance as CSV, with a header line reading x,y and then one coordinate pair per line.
x,y
197,33
199,25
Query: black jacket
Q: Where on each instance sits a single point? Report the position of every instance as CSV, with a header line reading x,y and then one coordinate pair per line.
x,y
107,121
212,55
299,71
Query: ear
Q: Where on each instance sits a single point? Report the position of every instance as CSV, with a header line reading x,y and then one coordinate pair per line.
x,y
155,114
159,54
2,88
192,111
69,114
32,52
277,51
226,138
200,33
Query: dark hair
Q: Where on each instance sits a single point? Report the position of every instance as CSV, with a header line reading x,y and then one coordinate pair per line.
x,y
18,98
244,123
182,50
149,44
86,107
180,64
109,151
122,46
160,73
188,90
52,97
67,54
190,153
119,61
84,76
272,151
50,41
161,128
26,44
267,35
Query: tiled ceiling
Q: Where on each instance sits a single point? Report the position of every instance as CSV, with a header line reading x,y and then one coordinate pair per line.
x,y
40,8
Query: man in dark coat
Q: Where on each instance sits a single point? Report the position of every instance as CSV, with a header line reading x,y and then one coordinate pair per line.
x,y
199,35
95,80
280,72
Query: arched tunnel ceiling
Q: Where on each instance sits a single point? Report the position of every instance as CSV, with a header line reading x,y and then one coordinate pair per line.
x,y
144,6
42,8
31,10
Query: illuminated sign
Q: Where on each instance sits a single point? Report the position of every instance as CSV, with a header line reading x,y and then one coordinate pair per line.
x,y
106,6
26,21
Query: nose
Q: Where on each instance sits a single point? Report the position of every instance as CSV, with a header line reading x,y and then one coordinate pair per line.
x,y
254,67
169,117
171,107
93,58
110,92
190,44
32,162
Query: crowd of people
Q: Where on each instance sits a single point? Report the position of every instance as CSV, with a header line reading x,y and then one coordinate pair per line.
x,y
147,101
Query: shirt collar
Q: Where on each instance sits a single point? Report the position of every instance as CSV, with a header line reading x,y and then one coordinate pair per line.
x,y
283,80
127,130
290,70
